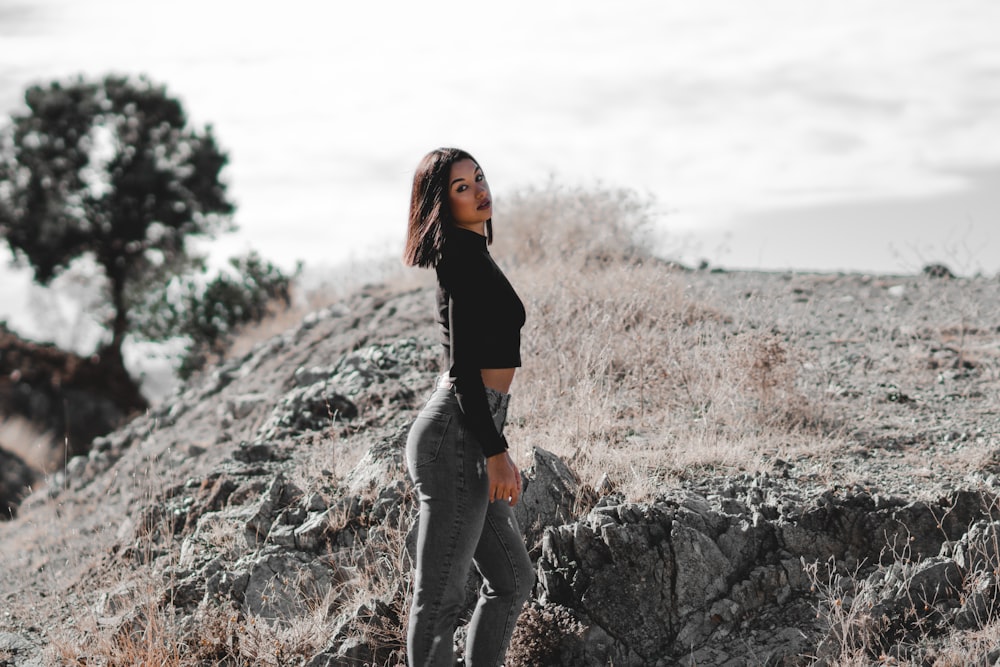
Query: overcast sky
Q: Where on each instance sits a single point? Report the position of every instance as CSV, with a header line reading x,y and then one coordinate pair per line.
x,y
854,135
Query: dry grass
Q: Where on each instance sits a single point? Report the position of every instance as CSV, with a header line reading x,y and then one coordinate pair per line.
x,y
624,374
860,633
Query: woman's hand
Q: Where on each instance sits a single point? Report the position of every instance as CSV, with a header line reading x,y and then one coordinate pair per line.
x,y
504,478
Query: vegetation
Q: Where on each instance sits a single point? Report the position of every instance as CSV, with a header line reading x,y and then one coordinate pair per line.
x,y
207,314
647,381
113,171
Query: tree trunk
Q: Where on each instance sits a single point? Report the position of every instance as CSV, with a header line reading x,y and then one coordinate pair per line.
x,y
119,327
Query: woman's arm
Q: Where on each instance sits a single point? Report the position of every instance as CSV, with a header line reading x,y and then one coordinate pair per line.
x,y
469,387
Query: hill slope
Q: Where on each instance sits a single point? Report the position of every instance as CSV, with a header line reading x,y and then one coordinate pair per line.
x,y
710,459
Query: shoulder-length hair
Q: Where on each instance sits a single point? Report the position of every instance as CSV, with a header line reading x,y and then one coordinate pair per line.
x,y
430,211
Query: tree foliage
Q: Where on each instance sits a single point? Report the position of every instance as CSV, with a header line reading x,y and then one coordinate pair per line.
x,y
206,313
113,170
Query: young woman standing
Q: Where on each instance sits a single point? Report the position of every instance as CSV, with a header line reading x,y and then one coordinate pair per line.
x,y
456,453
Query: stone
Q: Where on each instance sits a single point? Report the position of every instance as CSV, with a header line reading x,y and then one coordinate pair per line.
x,y
285,584
548,497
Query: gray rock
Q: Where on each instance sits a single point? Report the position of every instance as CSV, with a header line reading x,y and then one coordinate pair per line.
x,y
283,585
242,406
616,569
381,465
279,495
18,651
548,498
306,376
310,408
13,643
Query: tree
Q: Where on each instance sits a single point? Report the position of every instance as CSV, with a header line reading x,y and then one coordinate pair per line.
x,y
207,313
111,170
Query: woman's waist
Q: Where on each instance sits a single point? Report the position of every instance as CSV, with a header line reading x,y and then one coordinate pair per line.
x,y
445,401
494,379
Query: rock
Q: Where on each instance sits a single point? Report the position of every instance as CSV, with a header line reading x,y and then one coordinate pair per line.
x,y
285,584
307,376
241,406
12,643
18,651
310,408
278,496
382,463
680,571
548,497
584,567
366,637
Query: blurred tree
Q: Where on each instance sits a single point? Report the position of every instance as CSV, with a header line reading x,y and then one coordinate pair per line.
x,y
206,313
112,171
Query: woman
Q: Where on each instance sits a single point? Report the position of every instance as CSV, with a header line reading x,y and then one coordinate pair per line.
x,y
456,453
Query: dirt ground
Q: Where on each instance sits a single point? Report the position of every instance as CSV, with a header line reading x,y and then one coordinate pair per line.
x,y
906,368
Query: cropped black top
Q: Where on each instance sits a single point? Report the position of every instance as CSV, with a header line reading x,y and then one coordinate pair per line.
x,y
481,318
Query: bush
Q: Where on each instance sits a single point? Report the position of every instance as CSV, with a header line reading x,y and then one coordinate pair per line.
x,y
545,635
207,314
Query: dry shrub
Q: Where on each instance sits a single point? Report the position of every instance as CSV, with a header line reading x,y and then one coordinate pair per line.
x,y
148,634
545,635
572,227
137,624
325,459
161,636
624,374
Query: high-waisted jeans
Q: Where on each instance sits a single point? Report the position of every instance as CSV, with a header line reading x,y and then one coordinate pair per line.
x,y
458,526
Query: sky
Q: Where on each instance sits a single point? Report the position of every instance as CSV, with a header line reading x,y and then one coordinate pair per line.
x,y
812,135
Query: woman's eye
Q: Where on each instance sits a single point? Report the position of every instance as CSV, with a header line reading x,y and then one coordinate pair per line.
x,y
479,177
462,188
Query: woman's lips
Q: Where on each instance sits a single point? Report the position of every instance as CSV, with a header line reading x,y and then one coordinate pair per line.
x,y
484,205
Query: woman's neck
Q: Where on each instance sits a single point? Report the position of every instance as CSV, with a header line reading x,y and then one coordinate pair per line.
x,y
477,227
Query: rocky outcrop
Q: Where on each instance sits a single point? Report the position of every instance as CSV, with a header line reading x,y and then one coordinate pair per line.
x,y
678,579
687,579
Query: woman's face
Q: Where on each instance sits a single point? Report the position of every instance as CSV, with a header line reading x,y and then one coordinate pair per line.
x,y
469,195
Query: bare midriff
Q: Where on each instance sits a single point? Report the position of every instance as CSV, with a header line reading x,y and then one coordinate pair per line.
x,y
498,378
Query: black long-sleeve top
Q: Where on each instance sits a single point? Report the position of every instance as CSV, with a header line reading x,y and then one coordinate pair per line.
x,y
481,317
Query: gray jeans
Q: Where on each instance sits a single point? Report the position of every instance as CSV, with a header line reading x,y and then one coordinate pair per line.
x,y
458,527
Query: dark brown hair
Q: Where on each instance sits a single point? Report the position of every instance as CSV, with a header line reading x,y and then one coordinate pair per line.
x,y
430,212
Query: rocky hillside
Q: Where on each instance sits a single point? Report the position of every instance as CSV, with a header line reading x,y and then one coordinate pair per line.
x,y
262,515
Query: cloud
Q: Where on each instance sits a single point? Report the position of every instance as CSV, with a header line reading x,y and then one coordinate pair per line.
x,y
719,108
